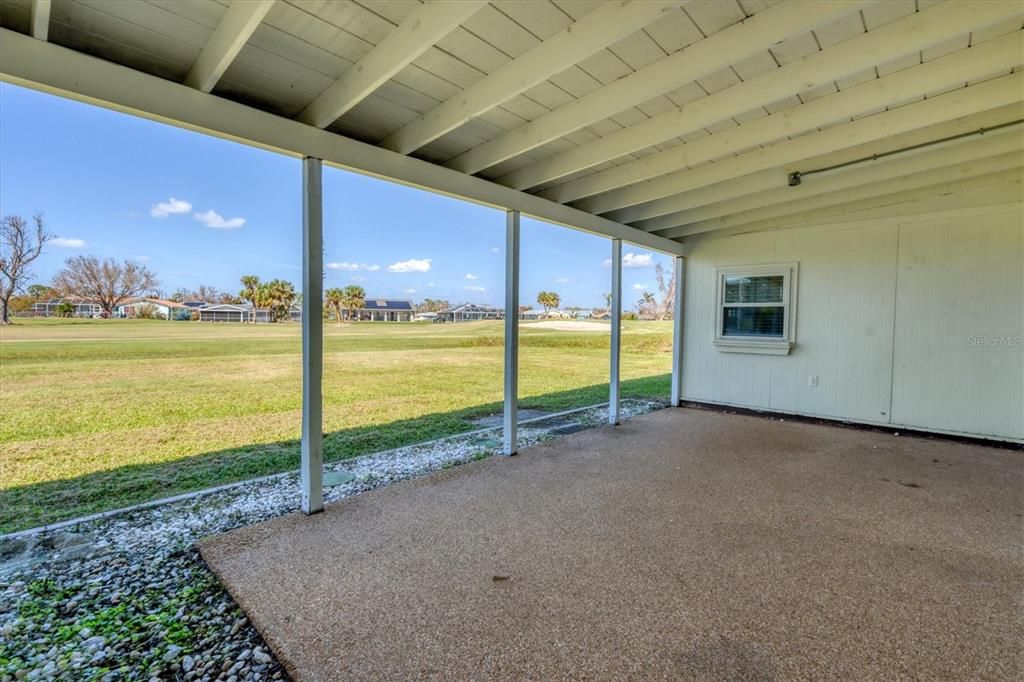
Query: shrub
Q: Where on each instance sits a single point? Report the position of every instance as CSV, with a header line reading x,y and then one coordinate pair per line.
x,y
148,311
64,309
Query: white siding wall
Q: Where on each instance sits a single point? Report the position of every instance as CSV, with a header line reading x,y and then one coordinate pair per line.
x,y
885,314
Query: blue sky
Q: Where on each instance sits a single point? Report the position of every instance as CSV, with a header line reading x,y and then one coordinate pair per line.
x,y
199,210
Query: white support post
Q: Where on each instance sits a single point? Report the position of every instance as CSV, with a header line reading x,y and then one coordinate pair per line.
x,y
39,19
511,331
616,341
677,331
312,336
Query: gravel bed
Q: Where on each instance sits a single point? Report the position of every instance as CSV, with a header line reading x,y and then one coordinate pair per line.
x,y
129,598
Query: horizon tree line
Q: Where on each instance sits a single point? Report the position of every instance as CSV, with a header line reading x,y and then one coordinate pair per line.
x,y
109,283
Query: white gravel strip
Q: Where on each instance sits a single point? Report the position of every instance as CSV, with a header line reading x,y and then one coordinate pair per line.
x,y
128,597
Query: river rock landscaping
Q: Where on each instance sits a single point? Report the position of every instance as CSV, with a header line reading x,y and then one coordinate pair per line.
x,y
127,597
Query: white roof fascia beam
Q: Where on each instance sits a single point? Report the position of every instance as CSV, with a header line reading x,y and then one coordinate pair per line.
x,y
1002,162
420,31
39,19
910,34
235,28
719,50
975,99
736,188
952,70
884,201
68,73
595,31
965,151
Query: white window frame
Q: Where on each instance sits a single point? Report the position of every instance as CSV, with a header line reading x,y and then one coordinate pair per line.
x,y
758,344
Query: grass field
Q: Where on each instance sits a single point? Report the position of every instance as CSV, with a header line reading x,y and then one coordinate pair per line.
x,y
98,414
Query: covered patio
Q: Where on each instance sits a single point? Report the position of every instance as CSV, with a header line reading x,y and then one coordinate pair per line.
x,y
839,185
684,544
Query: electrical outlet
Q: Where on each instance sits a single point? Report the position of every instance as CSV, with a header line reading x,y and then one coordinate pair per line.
x,y
812,380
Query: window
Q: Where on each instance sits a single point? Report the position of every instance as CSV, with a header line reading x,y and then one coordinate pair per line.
x,y
756,309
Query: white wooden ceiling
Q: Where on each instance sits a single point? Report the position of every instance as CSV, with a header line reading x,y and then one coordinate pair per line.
x,y
674,117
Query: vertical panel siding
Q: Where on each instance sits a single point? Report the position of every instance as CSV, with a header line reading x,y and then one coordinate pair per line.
x,y
959,360
884,314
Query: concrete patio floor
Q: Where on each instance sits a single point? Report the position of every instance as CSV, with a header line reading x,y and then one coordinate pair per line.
x,y
684,544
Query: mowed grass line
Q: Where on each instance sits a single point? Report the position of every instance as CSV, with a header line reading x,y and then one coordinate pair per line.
x,y
101,414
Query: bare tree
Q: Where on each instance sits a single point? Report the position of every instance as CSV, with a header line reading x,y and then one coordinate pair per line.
x,y
206,294
667,290
19,246
106,283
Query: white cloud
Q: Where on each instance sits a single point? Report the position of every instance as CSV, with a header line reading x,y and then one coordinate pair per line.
x,y
475,289
411,265
357,278
67,242
213,219
170,207
470,275
142,259
352,267
637,260
495,250
638,287
410,291
430,285
633,260
561,280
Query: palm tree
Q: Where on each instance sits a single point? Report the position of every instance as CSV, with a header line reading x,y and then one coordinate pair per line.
x,y
548,300
646,304
280,295
353,298
251,292
335,298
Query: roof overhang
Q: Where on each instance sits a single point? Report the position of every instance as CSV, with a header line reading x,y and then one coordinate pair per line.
x,y
657,122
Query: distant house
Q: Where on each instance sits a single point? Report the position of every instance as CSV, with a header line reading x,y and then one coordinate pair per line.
x,y
242,312
225,312
470,312
168,310
553,314
383,310
82,308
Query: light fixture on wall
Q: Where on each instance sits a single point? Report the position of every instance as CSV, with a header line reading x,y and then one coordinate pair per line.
x,y
796,178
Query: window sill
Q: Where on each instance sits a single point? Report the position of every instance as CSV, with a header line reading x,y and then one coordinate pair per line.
x,y
757,346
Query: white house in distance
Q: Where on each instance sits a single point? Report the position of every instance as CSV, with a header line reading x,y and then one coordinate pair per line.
x,y
470,312
241,312
554,314
162,308
231,312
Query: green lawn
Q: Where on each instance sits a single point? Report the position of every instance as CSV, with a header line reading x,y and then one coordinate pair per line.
x,y
98,414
